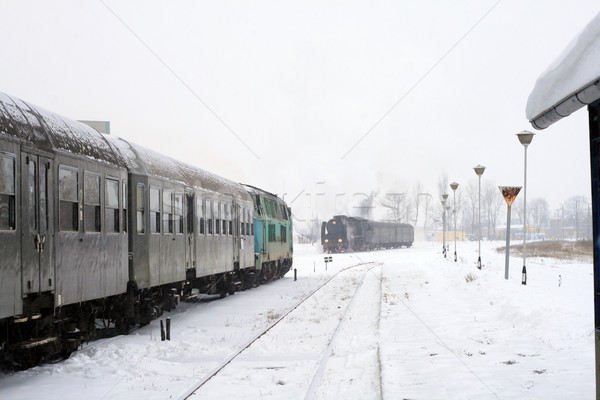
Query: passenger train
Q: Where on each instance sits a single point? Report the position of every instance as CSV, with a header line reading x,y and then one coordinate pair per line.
x,y
96,228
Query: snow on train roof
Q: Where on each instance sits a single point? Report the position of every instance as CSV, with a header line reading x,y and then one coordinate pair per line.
x,y
570,82
144,161
48,131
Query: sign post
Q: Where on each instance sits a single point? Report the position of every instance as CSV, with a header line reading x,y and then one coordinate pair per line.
x,y
328,259
510,194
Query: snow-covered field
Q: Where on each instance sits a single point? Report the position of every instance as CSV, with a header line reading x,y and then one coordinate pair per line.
x,y
418,327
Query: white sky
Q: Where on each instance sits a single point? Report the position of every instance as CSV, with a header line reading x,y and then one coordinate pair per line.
x,y
300,83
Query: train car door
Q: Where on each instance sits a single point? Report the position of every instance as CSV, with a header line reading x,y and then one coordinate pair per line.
x,y
237,243
190,247
37,237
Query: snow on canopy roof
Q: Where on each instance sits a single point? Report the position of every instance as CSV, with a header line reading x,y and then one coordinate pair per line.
x,y
47,131
570,82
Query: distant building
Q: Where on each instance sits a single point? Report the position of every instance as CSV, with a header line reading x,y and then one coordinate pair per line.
x,y
100,126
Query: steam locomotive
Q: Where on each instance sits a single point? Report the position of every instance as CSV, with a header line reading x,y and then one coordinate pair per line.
x,y
343,233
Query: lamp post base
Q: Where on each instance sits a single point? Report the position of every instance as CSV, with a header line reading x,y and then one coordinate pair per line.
x,y
455,257
479,263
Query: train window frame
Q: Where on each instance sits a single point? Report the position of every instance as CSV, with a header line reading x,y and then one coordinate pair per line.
x,y
92,201
227,225
8,192
271,233
155,214
283,232
111,210
218,218
140,195
167,205
210,213
178,214
200,215
68,198
242,221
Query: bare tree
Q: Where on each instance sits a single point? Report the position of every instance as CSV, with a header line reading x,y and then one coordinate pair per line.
x,y
493,201
539,211
398,206
575,209
472,196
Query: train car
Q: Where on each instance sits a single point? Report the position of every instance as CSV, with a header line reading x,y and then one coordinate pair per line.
x,y
95,228
273,245
186,231
343,233
63,243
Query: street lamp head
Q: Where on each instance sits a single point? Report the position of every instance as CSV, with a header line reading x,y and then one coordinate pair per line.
x,y
454,186
525,137
479,169
445,196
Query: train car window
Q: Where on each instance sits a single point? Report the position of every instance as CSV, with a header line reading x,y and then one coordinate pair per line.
x,y
242,221
141,207
200,215
167,211
7,192
125,205
154,209
68,218
271,232
91,202
178,206
217,218
257,205
283,233
228,220
284,214
209,215
190,212
111,205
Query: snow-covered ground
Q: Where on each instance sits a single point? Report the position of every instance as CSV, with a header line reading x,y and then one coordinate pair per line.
x,y
419,326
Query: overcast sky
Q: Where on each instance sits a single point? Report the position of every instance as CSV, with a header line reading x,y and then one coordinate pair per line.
x,y
364,96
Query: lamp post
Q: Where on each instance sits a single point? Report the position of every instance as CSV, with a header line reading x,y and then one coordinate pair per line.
x,y
454,186
525,138
447,213
479,171
444,198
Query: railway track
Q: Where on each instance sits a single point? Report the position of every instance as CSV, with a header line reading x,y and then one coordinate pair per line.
x,y
293,349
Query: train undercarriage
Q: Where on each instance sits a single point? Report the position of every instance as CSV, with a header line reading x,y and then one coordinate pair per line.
x,y
44,333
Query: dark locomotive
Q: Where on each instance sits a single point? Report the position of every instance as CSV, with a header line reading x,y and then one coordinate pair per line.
x,y
343,233
95,229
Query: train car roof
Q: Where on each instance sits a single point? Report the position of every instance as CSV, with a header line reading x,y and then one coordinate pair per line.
x,y
36,127
143,161
255,190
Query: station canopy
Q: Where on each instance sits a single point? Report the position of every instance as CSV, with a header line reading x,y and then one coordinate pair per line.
x,y
570,82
